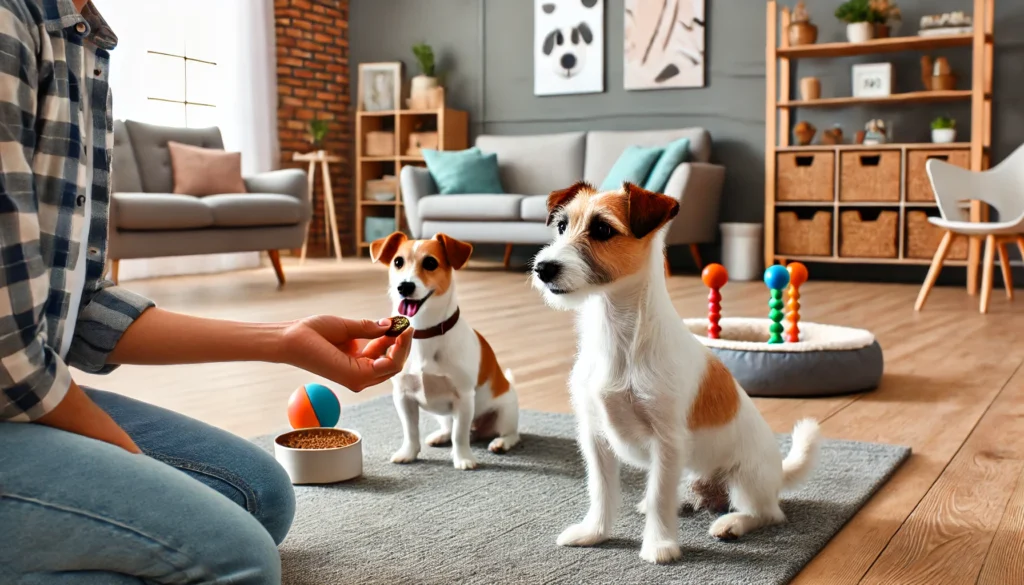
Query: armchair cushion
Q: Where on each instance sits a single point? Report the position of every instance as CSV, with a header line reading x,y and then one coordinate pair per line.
x,y
254,209
160,211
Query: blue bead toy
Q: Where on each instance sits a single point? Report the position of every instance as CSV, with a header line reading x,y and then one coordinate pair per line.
x,y
777,279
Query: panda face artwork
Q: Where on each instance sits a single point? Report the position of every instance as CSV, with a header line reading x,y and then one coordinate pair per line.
x,y
567,49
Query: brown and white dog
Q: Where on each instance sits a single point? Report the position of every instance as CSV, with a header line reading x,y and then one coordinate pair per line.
x,y
451,371
645,390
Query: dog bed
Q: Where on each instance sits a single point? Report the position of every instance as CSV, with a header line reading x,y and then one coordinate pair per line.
x,y
828,360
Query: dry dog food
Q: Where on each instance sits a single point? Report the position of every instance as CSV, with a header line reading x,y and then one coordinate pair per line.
x,y
398,325
318,439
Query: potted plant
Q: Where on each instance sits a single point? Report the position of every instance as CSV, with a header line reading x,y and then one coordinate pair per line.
x,y
317,133
943,130
423,85
801,31
860,20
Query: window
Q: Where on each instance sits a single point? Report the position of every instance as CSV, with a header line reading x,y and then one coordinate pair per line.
x,y
181,71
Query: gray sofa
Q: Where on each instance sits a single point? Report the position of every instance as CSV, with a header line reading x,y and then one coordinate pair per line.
x,y
533,166
148,220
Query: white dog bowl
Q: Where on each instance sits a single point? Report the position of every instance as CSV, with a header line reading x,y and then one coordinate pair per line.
x,y
323,465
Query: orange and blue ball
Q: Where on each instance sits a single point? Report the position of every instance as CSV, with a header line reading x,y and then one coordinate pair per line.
x,y
313,405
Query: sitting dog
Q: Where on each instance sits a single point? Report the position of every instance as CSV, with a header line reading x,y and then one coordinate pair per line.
x,y
451,371
644,389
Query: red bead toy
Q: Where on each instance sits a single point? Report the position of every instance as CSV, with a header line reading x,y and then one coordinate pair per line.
x,y
715,276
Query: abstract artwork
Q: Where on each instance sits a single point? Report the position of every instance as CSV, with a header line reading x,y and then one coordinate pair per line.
x,y
664,44
568,47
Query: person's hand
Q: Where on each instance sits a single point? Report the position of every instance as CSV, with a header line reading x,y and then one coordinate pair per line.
x,y
337,349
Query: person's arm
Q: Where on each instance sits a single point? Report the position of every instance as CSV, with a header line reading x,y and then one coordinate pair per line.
x,y
324,345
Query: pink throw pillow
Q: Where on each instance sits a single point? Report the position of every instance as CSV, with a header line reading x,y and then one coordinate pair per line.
x,y
205,171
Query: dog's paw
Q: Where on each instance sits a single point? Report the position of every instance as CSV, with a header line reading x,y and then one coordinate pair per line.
x,y
464,462
503,444
439,438
404,455
660,552
728,527
641,506
581,535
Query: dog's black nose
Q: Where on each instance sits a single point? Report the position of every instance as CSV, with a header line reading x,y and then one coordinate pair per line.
x,y
547,271
406,288
568,61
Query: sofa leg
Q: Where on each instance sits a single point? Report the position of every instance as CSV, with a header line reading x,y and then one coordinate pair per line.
x,y
115,266
275,259
508,255
695,252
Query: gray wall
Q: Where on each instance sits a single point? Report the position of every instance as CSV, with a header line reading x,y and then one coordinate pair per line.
x,y
487,47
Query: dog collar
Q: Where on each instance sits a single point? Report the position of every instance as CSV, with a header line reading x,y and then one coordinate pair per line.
x,y
439,329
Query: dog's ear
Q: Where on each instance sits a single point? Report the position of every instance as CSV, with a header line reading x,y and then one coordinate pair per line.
x,y
384,249
648,211
549,42
584,32
457,252
562,197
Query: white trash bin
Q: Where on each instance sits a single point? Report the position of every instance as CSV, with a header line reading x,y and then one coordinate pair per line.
x,y
741,250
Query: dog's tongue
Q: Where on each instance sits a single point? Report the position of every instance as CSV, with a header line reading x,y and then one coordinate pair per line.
x,y
408,308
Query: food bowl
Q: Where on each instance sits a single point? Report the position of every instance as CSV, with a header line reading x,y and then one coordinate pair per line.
x,y
309,457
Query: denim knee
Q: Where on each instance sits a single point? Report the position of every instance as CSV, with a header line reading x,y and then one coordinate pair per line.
x,y
276,500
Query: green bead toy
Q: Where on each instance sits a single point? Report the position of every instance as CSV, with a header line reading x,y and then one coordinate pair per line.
x,y
776,278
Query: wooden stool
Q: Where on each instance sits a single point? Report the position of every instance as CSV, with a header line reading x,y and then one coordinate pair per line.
x,y
331,221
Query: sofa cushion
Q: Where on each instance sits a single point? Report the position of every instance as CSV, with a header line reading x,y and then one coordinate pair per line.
x,y
483,207
604,148
205,171
254,209
124,168
671,157
160,211
633,165
153,157
537,164
534,208
463,172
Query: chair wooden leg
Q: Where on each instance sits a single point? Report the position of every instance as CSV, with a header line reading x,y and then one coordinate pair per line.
x,y
972,267
1004,263
695,252
933,272
115,268
275,259
508,256
986,268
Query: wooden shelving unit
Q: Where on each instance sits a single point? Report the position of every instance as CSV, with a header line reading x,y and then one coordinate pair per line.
x,y
779,105
452,127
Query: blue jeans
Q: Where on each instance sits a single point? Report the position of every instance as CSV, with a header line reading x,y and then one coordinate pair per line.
x,y
203,506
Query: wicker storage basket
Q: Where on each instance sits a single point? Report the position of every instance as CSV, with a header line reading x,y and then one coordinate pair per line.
x,y
384,189
923,239
804,237
420,140
860,238
380,143
919,188
805,176
870,175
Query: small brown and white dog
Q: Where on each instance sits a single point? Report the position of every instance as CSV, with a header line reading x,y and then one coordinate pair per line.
x,y
451,371
645,390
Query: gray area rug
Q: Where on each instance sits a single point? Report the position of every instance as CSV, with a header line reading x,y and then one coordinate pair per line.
x,y
426,522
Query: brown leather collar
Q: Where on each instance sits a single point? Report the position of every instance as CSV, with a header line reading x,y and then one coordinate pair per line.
x,y
439,329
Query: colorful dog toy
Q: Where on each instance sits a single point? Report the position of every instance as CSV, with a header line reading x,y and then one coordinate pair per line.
x,y
714,276
797,277
313,405
777,278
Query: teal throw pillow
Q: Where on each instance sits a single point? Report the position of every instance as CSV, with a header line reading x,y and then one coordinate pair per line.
x,y
674,155
459,172
633,165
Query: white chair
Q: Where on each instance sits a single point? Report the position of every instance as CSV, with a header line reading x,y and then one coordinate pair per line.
x,y
1001,187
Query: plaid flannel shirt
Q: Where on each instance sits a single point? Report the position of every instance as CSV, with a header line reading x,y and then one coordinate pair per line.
x,y
42,171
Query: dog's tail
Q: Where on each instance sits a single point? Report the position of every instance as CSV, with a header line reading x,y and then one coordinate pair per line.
x,y
508,376
802,454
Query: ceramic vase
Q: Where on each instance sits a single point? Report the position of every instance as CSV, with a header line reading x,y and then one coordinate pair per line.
x,y
943,135
810,88
859,32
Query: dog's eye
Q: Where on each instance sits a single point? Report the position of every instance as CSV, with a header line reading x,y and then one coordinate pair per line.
x,y
399,262
562,224
601,231
430,263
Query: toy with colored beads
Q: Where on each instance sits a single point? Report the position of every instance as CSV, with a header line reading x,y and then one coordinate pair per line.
x,y
776,278
797,277
715,276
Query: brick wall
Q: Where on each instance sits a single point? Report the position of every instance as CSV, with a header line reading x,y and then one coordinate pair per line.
x,y
312,83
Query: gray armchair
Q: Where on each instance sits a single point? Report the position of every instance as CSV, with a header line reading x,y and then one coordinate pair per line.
x,y
533,166
148,220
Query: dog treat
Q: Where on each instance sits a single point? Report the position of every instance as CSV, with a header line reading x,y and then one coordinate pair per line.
x,y
398,325
318,439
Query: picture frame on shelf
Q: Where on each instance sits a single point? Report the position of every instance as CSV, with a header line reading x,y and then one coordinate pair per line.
x,y
872,80
380,86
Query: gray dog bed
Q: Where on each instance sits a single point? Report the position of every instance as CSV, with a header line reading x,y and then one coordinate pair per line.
x,y
828,360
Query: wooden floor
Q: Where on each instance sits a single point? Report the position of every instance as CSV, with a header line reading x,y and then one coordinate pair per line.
x,y
953,391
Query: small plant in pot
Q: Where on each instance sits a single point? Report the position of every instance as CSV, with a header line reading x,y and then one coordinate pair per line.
x,y
801,31
317,133
423,92
943,130
867,19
